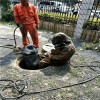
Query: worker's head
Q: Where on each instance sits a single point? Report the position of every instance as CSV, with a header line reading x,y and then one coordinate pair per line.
x,y
60,39
24,2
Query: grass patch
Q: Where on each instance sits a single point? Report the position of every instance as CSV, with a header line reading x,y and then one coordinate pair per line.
x,y
91,46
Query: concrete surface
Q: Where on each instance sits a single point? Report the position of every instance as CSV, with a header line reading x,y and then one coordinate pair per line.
x,y
52,76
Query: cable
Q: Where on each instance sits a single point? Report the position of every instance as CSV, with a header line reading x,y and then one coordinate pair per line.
x,y
21,92
91,65
16,87
83,82
15,37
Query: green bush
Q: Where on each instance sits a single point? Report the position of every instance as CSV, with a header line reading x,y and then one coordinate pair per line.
x,y
5,4
7,15
57,18
68,19
91,26
6,11
91,46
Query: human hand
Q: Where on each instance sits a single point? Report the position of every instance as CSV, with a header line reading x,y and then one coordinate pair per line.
x,y
20,26
37,27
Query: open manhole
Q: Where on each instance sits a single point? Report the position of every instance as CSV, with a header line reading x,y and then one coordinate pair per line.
x,y
29,58
31,62
28,62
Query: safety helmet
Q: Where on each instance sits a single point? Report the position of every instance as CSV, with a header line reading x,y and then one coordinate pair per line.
x,y
29,49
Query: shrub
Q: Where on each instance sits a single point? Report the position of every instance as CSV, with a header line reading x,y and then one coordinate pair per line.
x,y
92,26
5,4
91,46
7,15
57,18
6,12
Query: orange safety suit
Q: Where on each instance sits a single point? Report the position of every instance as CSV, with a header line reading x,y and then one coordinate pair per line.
x,y
29,18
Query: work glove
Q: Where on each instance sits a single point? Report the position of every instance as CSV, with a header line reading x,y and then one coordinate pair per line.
x,y
37,27
20,26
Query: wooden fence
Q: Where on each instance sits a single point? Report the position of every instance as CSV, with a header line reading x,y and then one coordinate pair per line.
x,y
87,35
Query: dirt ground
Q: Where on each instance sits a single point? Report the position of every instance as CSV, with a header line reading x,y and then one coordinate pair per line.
x,y
51,77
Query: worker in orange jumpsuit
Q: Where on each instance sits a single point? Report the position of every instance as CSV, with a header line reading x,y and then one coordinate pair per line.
x,y
26,18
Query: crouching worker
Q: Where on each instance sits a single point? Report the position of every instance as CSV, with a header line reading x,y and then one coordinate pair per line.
x,y
62,52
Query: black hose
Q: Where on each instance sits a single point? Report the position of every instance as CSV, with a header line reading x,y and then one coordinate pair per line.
x,y
15,37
